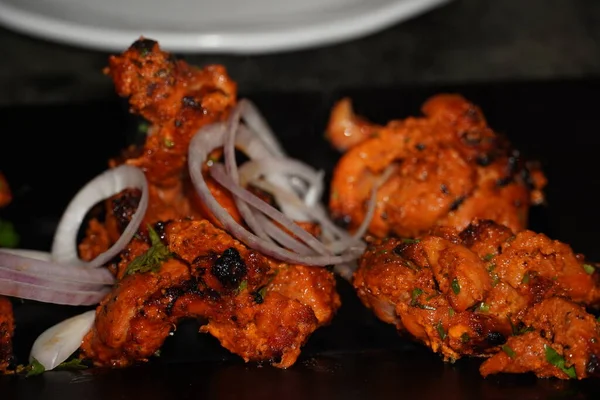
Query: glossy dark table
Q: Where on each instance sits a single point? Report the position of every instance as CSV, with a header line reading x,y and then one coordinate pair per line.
x,y
48,153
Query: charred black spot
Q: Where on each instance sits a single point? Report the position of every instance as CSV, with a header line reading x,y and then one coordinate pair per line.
x,y
143,46
592,365
258,297
150,89
229,268
190,101
178,123
456,203
444,189
513,162
495,338
401,248
543,333
124,206
160,229
484,160
233,318
504,181
420,146
343,221
175,292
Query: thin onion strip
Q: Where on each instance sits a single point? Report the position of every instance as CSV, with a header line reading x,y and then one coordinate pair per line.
x,y
218,174
105,185
46,281
34,266
200,146
50,294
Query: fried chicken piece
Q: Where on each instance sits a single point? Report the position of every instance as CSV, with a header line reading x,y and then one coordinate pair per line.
x,y
177,99
256,307
562,341
448,168
7,327
467,292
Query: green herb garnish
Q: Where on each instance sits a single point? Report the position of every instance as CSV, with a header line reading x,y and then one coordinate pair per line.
x,y
559,362
511,353
455,286
243,285
152,259
484,307
464,338
440,329
589,269
410,241
34,368
488,257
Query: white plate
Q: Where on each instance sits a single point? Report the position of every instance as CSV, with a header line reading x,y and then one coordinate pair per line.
x,y
206,26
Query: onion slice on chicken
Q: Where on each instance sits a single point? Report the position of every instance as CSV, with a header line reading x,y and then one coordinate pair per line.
x,y
202,144
109,183
57,343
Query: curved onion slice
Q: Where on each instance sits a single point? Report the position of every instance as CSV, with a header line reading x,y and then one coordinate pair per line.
x,y
52,270
109,183
57,343
200,146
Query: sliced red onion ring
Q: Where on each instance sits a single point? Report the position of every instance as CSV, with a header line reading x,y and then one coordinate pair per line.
x,y
231,166
259,125
19,277
48,294
47,269
200,146
109,183
56,344
218,174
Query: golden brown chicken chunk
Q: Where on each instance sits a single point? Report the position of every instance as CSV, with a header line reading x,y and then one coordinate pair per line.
x,y
446,169
485,291
177,99
257,308
188,268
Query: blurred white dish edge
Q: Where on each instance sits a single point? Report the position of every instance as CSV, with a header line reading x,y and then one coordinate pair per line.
x,y
314,26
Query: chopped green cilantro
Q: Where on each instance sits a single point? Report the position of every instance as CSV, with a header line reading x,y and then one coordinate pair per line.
x,y
152,259
511,353
484,307
589,268
243,286
440,329
525,279
488,257
455,286
559,362
410,241
464,338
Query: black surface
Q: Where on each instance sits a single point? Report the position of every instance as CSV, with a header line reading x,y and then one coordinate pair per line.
x,y
47,153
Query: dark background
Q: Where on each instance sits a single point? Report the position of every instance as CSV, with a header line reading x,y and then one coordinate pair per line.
x,y
462,41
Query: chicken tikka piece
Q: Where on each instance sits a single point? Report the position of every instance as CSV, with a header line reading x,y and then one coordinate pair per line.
x,y
445,168
518,299
181,265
